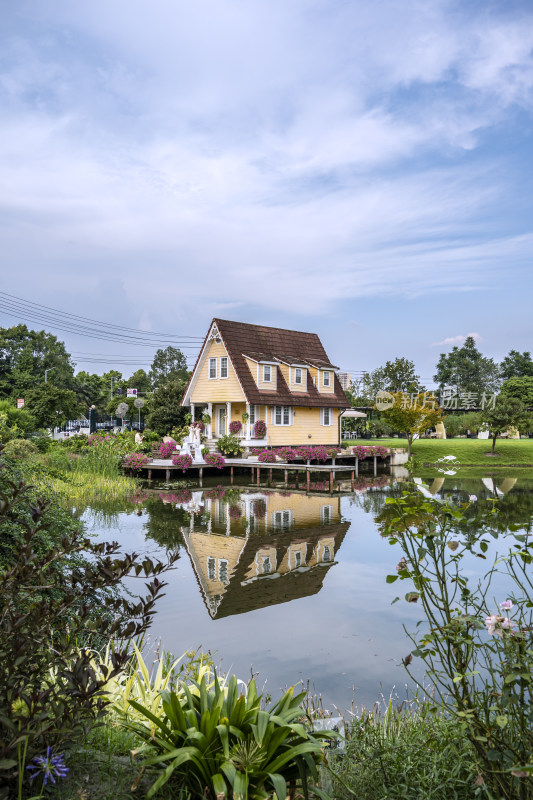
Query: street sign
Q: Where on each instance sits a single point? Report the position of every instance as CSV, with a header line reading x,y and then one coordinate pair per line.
x,y
20,402
131,392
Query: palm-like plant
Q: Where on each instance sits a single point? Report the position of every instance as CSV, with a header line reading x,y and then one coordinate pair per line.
x,y
220,742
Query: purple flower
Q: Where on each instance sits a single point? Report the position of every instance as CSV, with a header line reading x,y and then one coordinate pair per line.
x,y
506,605
50,766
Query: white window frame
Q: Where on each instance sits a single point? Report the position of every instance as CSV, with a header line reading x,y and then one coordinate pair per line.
x,y
323,417
328,373
266,560
282,520
326,518
212,361
330,554
298,373
269,368
221,571
222,359
285,413
211,568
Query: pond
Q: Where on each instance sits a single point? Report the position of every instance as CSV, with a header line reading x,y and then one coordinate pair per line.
x,y
288,585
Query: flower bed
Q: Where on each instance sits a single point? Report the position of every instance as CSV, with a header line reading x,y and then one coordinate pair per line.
x,y
215,460
182,461
363,452
286,453
135,461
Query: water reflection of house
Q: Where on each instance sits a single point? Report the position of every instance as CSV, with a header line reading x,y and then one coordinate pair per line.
x,y
262,549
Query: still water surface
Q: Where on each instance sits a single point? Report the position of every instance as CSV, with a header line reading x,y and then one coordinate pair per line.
x,y
288,585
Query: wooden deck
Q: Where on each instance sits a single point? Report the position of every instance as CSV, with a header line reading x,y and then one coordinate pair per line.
x,y
259,468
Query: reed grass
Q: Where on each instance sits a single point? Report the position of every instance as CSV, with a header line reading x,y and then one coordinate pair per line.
x,y
78,488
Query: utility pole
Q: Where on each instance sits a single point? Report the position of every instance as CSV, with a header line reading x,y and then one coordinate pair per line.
x,y
111,397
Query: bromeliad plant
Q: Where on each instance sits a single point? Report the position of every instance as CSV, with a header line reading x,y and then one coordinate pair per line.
x,y
221,743
480,659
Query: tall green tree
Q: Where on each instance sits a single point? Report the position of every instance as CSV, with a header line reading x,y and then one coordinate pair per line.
x,y
52,406
168,364
412,416
517,365
91,389
25,355
140,380
508,412
465,369
520,388
398,375
166,411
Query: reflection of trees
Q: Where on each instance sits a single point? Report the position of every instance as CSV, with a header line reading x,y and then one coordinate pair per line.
x,y
164,522
373,500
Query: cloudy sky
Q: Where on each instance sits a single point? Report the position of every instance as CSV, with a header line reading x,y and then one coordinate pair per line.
x,y
358,169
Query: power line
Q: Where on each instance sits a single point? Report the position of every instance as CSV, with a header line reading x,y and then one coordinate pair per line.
x,y
72,323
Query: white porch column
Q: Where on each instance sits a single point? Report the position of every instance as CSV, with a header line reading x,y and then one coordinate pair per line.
x,y
210,426
248,424
228,416
192,411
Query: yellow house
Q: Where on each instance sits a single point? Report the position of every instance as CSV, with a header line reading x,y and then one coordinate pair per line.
x,y
277,547
250,373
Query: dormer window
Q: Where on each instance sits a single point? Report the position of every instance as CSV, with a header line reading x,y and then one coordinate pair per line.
x,y
298,377
326,378
267,373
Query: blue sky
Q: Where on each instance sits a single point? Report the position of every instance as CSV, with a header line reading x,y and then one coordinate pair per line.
x,y
358,169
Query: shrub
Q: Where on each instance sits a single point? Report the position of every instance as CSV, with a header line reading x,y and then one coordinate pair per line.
x,y
286,453
166,449
57,595
332,452
136,461
363,452
219,742
215,460
235,512
318,453
260,429
182,461
230,446
267,457
20,449
235,426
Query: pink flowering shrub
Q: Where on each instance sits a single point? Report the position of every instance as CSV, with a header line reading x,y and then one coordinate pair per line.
x,y
318,453
235,427
267,457
215,460
363,452
183,461
256,451
260,429
101,438
136,461
286,453
166,449
235,512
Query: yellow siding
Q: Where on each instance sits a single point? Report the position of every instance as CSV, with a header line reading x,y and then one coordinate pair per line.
x,y
253,368
305,508
305,421
218,390
285,372
203,546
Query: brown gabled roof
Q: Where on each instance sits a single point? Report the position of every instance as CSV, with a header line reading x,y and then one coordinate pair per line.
x,y
277,344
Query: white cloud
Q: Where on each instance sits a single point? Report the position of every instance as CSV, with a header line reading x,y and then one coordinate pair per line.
x,y
457,340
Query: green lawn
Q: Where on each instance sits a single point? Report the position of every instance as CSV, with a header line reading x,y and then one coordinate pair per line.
x,y
469,452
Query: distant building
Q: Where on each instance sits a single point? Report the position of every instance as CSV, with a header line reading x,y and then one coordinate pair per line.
x,y
345,380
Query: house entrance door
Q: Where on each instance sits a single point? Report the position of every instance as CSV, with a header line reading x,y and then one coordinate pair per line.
x,y
221,428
